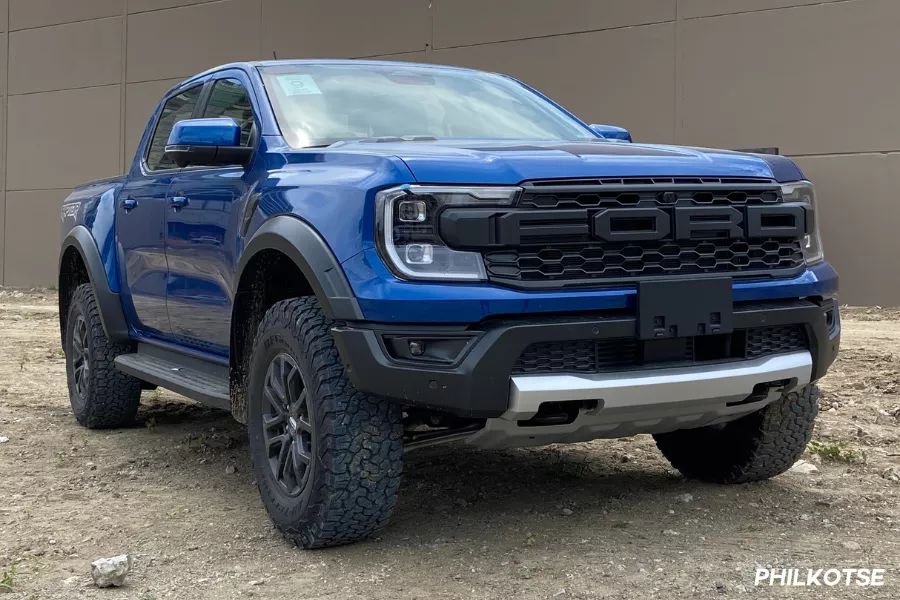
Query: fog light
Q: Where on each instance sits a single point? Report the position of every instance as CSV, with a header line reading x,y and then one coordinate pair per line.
x,y
416,348
412,211
420,254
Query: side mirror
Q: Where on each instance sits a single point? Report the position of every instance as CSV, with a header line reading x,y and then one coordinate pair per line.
x,y
611,132
207,142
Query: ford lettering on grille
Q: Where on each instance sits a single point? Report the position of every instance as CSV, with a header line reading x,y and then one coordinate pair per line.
x,y
691,223
591,232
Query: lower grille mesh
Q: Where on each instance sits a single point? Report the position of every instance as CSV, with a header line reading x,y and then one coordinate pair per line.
x,y
596,356
584,262
774,340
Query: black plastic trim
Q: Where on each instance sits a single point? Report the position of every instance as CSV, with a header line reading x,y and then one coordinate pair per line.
x,y
594,284
179,350
108,302
306,248
184,380
479,385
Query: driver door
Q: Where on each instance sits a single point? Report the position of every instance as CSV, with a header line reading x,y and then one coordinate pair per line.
x,y
141,222
202,227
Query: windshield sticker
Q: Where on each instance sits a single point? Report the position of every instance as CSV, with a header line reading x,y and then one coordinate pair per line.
x,y
298,85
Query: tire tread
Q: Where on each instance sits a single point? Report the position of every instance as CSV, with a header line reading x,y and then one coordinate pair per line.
x,y
753,448
114,395
360,442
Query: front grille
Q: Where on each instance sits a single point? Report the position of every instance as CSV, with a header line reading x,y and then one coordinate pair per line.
x,y
774,340
559,241
579,262
620,354
589,193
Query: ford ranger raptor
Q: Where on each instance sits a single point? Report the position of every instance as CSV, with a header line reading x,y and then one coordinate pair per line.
x,y
358,259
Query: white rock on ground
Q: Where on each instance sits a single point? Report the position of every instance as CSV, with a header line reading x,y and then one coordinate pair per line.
x,y
111,572
804,468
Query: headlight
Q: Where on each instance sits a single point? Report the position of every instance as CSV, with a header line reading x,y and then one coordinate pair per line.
x,y
803,191
406,230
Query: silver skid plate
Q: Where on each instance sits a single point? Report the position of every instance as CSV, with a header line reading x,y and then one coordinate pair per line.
x,y
645,401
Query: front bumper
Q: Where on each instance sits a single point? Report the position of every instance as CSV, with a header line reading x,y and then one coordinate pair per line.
x,y
477,383
645,401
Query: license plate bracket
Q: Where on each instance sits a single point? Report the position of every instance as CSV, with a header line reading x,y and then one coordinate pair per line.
x,y
670,309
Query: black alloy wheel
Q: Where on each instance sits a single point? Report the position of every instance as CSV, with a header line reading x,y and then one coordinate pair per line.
x,y
81,358
287,425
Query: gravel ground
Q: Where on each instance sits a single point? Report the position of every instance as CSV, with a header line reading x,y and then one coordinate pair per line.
x,y
607,519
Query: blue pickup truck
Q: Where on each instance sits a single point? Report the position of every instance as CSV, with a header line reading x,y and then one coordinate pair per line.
x,y
358,259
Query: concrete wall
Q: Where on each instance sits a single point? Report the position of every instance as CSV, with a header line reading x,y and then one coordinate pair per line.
x,y
812,77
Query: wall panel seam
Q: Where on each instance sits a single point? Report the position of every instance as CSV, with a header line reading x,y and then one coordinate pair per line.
x,y
429,45
155,10
676,97
763,10
385,54
5,154
842,154
262,16
555,35
50,189
123,77
64,23
180,78
69,89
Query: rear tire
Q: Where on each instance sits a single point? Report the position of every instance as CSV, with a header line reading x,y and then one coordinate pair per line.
x,y
327,459
102,397
758,446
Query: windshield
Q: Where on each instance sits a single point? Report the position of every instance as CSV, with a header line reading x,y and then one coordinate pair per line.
x,y
322,104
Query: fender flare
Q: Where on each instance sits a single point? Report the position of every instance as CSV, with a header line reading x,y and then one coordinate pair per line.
x,y
108,302
301,243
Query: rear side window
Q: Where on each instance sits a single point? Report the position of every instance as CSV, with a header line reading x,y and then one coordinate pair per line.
x,y
177,108
229,99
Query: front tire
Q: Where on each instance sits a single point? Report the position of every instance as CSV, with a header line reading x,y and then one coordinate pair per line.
x,y
758,446
102,397
327,459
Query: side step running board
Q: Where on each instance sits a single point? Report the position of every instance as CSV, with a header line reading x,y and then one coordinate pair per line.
x,y
199,380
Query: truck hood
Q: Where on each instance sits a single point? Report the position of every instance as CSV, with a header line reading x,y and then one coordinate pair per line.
x,y
513,161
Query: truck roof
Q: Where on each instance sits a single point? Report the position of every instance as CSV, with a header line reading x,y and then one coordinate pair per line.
x,y
319,61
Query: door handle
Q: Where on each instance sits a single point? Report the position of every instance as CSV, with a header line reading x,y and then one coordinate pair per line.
x,y
178,202
129,204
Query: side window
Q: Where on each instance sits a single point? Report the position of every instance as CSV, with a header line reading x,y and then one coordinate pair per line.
x,y
229,99
177,108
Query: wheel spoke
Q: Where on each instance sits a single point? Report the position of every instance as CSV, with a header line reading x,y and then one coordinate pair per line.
x,y
276,384
282,439
301,462
298,406
77,347
303,424
301,453
277,405
270,421
289,373
285,462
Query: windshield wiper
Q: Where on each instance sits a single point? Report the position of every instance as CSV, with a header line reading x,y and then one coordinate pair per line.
x,y
377,140
402,138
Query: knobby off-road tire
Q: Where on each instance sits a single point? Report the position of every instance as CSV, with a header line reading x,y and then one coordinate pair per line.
x,y
755,447
102,397
327,459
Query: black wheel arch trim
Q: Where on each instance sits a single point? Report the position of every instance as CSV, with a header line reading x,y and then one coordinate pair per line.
x,y
300,242
108,302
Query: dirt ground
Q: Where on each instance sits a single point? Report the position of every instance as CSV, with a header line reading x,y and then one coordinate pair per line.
x,y
608,519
